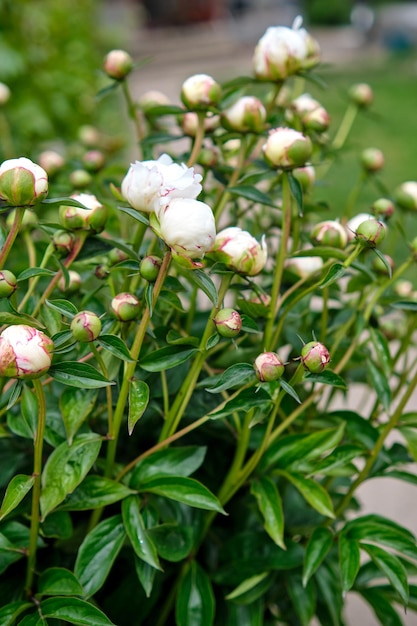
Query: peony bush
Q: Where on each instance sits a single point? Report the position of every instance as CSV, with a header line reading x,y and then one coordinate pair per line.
x,y
184,335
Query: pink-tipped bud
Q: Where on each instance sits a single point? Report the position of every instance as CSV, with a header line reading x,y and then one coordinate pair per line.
x,y
117,256
93,217
361,94
63,242
125,306
372,160
22,182
8,283
93,160
330,233
25,352
383,208
370,233
51,161
406,195
200,91
189,123
268,367
247,114
118,64
149,268
80,179
287,148
228,322
85,326
315,357
72,284
240,251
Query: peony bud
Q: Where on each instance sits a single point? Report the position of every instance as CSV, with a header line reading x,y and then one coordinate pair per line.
x,y
354,222
370,233
125,306
118,64
330,233
189,123
228,322
152,99
51,161
63,242
148,185
247,114
383,208
241,252
304,266
117,256
80,179
315,357
8,283
361,94
25,352
201,91
4,94
281,52
403,288
268,367
89,136
102,271
149,268
187,226
85,326
287,148
72,285
22,182
93,217
93,160
372,160
312,114
406,195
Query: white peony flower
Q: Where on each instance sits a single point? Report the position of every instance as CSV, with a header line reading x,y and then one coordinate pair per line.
x,y
187,226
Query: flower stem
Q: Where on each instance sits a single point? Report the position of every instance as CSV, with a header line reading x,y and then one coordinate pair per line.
x,y
222,201
18,218
32,284
36,491
345,126
198,139
133,113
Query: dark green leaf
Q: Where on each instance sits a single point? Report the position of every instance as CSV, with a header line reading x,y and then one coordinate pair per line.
x,y
146,575
65,468
289,389
139,537
382,350
166,109
382,607
212,341
392,567
335,272
10,612
95,492
98,552
19,318
63,202
16,490
270,506
57,525
323,252
384,260
327,377
137,215
244,401
349,561
75,406
380,383
78,374
251,589
34,271
405,305
234,376
296,191
65,307
57,581
318,547
116,346
303,598
312,492
195,603
166,358
204,282
181,461
252,194
185,490
337,459
173,543
74,611
138,401
245,614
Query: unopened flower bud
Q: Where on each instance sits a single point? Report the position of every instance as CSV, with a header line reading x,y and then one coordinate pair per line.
x,y
80,179
63,242
370,233
8,283
89,136
200,92
286,148
406,195
247,114
240,251
208,156
304,266
152,99
189,123
25,352
85,326
361,94
72,284
149,268
22,182
315,357
306,176
93,217
372,160
51,161
312,115
268,367
125,306
4,94
102,271
118,64
187,226
403,288
228,322
383,208
330,233
93,160
117,256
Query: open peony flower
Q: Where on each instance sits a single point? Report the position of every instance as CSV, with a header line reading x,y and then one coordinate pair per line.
x,y
148,185
240,251
25,352
187,226
22,182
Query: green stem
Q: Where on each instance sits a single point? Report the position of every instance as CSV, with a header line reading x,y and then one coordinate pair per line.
x,y
198,139
133,113
32,285
378,293
353,197
187,388
345,126
280,259
18,218
109,395
36,491
222,201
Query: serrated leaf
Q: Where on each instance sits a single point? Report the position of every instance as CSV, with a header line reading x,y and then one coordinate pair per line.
x,y
336,271
58,581
270,505
139,537
166,358
204,282
349,561
65,469
195,603
16,490
65,307
318,547
95,492
312,492
185,490
75,406
233,376
74,611
98,552
181,461
392,567
78,374
116,346
253,194
138,401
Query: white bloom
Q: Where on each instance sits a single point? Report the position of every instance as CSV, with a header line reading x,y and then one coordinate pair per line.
x,y
188,227
22,182
240,251
25,352
148,185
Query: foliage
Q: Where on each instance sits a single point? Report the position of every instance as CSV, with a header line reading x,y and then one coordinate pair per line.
x,y
153,475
